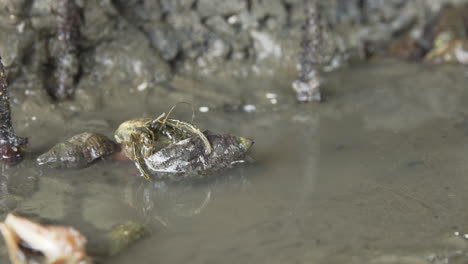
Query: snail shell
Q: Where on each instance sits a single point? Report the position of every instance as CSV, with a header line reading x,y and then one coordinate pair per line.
x,y
78,151
188,160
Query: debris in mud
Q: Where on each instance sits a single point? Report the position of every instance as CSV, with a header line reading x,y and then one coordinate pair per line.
x,y
272,97
203,109
444,39
452,51
448,36
239,108
67,63
307,87
78,151
123,235
407,49
10,144
27,240
249,108
188,160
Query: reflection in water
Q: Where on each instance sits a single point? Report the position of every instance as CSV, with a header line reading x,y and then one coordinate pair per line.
x,y
308,126
168,203
16,184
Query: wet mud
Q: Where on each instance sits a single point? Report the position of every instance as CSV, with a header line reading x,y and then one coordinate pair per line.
x,y
376,174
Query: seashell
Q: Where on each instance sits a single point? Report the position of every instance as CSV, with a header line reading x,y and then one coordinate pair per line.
x,y
123,235
78,151
58,244
188,160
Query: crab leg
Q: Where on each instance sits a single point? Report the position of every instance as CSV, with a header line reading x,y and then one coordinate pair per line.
x,y
192,130
153,123
139,159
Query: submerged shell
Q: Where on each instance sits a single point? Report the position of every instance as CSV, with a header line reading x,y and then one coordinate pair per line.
x,y
78,151
187,159
123,235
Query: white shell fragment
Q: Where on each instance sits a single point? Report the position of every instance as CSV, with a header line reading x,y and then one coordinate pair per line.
x,y
58,244
248,108
204,109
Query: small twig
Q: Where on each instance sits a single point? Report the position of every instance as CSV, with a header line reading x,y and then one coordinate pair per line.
x,y
307,87
161,220
10,143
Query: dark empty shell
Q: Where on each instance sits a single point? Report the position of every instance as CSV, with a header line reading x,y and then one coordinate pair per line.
x,y
78,151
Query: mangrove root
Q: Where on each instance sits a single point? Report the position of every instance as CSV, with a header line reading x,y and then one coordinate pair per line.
x,y
307,87
67,61
10,143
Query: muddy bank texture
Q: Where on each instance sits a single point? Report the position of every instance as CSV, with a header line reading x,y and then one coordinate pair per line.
x,y
130,45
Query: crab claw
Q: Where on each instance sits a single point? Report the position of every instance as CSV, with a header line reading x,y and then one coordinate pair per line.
x,y
58,244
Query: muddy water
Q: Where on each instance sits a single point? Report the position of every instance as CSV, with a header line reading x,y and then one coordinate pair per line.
x,y
376,174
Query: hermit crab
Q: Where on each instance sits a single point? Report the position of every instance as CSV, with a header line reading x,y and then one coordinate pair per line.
x,y
169,149
141,137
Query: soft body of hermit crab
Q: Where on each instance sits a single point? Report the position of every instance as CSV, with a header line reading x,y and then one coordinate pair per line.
x,y
140,137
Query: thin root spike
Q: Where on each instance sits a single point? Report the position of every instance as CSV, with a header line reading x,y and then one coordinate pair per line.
x,y
191,106
179,103
151,123
194,130
188,126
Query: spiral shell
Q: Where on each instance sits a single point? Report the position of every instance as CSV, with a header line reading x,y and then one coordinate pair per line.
x,y
188,160
78,151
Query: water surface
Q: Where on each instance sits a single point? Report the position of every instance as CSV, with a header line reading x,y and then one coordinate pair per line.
x,y
375,174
